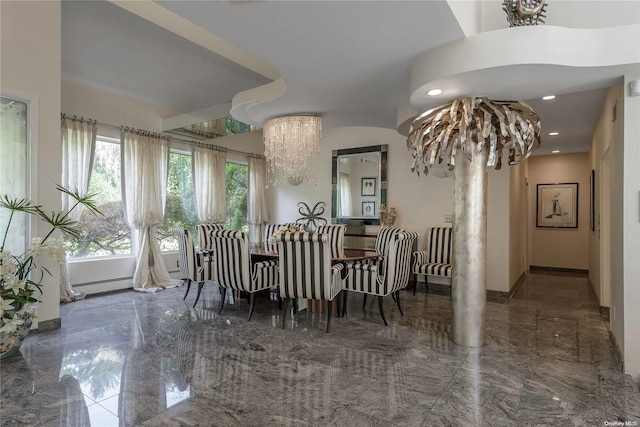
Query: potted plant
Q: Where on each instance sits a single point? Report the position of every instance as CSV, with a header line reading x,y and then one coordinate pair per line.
x,y
20,276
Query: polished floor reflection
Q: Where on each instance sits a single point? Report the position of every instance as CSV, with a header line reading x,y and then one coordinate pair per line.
x,y
135,359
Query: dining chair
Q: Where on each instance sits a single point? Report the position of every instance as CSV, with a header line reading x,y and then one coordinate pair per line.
x,y
269,229
306,270
336,238
204,234
436,260
385,275
194,266
232,267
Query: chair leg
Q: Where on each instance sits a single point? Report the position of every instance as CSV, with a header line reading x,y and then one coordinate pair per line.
x,y
224,297
284,310
200,285
415,284
252,302
397,298
344,301
426,285
382,311
188,287
279,303
364,301
329,309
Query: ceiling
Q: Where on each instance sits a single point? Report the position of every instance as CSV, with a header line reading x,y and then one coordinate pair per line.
x,y
348,61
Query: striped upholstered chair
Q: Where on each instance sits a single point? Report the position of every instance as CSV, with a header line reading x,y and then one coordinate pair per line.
x,y
306,270
436,260
389,273
232,267
269,229
336,238
204,234
194,266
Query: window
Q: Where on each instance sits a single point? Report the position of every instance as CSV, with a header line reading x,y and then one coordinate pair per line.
x,y
180,209
237,178
108,234
15,168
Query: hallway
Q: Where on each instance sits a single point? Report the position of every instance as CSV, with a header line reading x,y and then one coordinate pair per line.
x,y
135,359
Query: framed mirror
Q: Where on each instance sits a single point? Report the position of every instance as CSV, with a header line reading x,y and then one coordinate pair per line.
x,y
358,184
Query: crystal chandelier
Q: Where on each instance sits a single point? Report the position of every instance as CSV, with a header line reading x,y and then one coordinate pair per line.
x,y
291,148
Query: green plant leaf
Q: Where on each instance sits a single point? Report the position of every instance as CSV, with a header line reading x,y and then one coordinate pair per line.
x,y
88,200
18,204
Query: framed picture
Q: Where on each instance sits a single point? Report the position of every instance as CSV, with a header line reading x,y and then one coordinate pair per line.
x,y
368,208
557,205
368,187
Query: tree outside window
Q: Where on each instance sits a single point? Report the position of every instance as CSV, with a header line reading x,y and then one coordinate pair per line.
x,y
109,234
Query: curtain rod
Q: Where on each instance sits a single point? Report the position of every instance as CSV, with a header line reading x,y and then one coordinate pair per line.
x,y
191,142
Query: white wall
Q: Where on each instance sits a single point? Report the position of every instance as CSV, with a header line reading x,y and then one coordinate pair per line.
x,y
565,247
631,234
30,69
421,202
517,222
621,139
114,109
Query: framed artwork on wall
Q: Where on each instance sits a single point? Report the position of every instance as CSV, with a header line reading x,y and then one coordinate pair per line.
x,y
557,205
368,187
369,208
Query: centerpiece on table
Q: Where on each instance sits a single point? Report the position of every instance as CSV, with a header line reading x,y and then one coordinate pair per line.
x,y
20,276
289,228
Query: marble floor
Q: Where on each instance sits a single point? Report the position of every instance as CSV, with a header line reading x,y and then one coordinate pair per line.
x,y
133,359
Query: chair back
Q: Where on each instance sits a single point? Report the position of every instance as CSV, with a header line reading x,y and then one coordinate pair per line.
x,y
385,235
187,253
204,234
269,229
439,245
336,238
231,259
397,262
305,266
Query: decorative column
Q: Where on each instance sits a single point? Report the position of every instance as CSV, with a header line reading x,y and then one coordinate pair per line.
x,y
468,286
469,135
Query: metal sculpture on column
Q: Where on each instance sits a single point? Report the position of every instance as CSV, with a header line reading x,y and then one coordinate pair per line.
x,y
469,135
524,12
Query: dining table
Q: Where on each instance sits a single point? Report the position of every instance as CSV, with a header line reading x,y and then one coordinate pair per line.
x,y
260,253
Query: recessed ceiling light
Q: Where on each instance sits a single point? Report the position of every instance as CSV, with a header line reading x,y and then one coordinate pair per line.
x,y
553,133
434,92
555,151
548,97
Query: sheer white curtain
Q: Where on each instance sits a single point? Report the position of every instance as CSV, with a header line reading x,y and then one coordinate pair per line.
x,y
78,145
145,162
344,207
209,167
14,167
257,214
